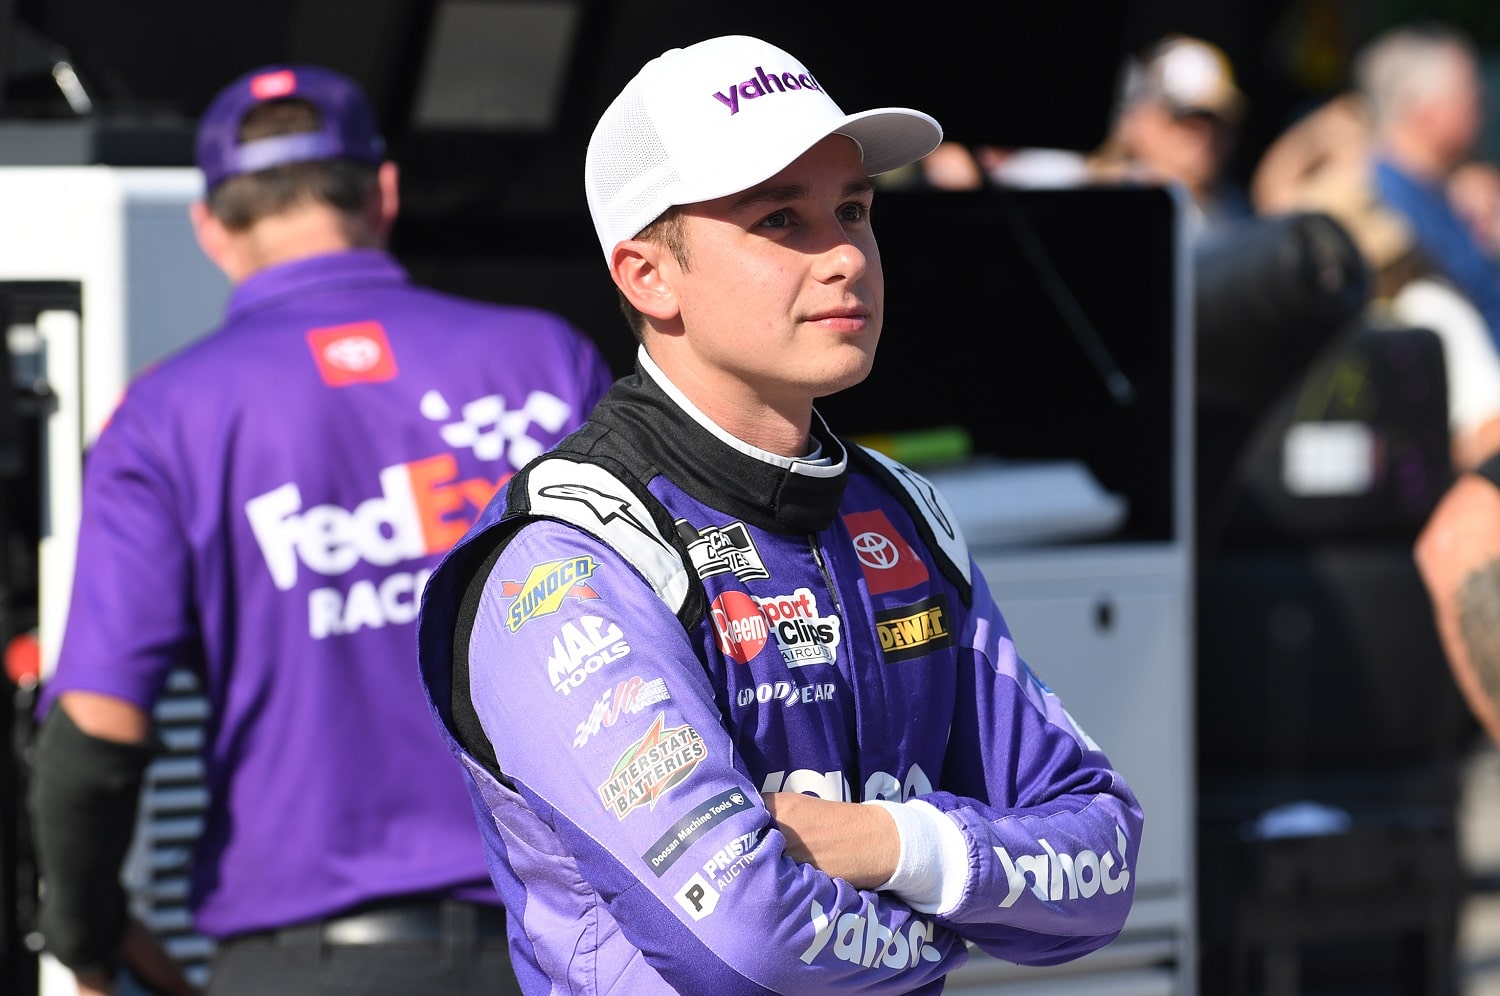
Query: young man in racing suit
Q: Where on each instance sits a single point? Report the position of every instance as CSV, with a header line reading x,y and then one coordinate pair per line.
x,y
719,745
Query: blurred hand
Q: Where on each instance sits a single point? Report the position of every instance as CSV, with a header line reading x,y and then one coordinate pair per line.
x,y
94,985
148,961
952,167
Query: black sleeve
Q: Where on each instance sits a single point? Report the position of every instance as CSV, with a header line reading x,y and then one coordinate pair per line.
x,y
1490,470
466,726
83,799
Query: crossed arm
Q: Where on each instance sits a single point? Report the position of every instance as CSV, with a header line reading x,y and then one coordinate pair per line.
x,y
844,839
1458,555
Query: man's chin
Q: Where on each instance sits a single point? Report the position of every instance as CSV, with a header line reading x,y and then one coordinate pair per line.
x,y
854,373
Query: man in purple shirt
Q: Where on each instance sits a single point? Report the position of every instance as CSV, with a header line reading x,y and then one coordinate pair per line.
x,y
264,509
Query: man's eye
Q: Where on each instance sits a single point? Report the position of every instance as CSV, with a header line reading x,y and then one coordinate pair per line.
x,y
777,219
853,212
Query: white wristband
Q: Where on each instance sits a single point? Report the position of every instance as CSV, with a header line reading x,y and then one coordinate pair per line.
x,y
934,863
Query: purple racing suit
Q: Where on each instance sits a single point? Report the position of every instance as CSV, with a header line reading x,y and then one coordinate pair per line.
x,y
655,624
264,508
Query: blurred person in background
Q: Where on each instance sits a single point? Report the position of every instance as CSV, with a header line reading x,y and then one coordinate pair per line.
x,y
1322,157
956,166
1179,116
1409,293
1458,556
1332,145
1425,101
1474,191
263,509
1323,162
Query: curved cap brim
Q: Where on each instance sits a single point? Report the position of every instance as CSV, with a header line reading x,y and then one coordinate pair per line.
x,y
891,137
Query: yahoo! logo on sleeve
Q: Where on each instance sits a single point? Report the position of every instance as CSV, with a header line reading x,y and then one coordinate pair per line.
x,y
763,84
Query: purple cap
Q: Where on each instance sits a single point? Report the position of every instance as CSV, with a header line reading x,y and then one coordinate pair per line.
x,y
348,130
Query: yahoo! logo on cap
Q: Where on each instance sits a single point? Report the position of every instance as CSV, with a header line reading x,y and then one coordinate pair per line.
x,y
762,84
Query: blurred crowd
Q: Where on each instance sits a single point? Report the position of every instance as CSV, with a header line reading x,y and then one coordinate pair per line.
x,y
1394,158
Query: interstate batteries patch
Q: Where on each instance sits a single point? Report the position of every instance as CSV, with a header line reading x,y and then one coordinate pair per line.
x,y
652,767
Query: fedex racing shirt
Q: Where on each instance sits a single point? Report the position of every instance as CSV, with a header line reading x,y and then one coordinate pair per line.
x,y
265,507
657,623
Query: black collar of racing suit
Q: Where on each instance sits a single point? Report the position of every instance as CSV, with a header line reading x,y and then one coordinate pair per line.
x,y
756,491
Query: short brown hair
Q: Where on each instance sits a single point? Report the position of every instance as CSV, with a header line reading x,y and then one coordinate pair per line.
x,y
668,232
241,201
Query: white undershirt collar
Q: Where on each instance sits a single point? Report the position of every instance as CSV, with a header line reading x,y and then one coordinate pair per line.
x,y
814,464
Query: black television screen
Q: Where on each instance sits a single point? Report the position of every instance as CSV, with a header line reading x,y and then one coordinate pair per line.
x,y
1043,322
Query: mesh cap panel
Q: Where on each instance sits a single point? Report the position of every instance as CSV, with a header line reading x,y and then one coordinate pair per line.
x,y
628,169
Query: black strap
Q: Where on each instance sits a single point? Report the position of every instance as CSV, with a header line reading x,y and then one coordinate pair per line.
x,y
467,728
457,927
83,799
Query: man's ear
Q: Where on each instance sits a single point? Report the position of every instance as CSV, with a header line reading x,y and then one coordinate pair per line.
x,y
213,238
643,272
387,202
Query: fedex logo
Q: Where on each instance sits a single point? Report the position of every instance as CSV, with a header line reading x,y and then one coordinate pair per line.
x,y
423,508
764,84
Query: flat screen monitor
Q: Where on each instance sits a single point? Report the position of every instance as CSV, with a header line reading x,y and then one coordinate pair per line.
x,y
1045,323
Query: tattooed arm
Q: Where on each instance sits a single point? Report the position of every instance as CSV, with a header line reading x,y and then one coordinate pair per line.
x,y
1458,554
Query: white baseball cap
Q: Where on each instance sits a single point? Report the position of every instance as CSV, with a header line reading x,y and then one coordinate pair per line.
x,y
718,117
1190,74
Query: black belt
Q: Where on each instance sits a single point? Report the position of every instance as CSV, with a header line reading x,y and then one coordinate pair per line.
x,y
447,921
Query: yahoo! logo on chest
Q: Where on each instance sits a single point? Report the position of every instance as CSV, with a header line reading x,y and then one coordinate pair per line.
x,y
764,84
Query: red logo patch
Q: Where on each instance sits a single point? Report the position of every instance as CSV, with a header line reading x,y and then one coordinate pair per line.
x,y
269,86
352,354
888,561
741,624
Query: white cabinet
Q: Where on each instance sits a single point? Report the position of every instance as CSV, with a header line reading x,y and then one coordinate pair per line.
x,y
100,276
1108,629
